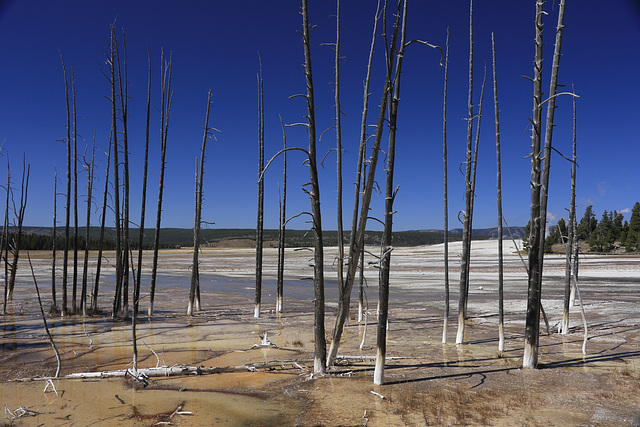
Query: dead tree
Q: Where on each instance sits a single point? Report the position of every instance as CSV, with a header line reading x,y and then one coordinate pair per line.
x,y
136,290
74,301
446,199
167,96
339,154
282,227
540,183
85,270
54,302
194,302
19,212
390,194
320,350
68,196
466,230
357,240
571,229
260,213
499,201
5,239
96,286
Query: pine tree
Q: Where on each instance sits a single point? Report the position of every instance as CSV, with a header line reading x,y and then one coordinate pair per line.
x,y
633,233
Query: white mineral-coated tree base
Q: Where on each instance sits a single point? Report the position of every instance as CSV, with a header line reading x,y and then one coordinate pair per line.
x,y
150,311
444,330
501,337
279,305
460,335
378,373
360,312
256,312
318,366
333,352
530,358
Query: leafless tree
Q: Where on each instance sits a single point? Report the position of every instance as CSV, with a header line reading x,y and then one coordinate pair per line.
x,y
466,230
54,301
446,198
260,213
540,182
390,194
85,270
136,291
167,96
339,154
499,201
19,213
282,227
68,195
194,302
96,286
4,254
74,301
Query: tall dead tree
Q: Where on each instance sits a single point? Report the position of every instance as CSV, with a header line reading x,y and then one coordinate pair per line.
x,y
390,194
5,239
260,214
96,286
320,350
167,96
357,240
499,202
67,141
540,182
194,302
282,227
74,301
136,291
85,270
339,154
466,228
571,230
446,198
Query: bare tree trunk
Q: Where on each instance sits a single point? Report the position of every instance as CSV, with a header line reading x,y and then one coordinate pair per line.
x,y
123,85
385,258
136,291
24,189
446,199
320,350
282,230
96,286
74,301
5,239
339,155
195,268
68,196
167,95
357,241
571,231
85,271
54,302
466,230
532,327
530,358
260,219
499,200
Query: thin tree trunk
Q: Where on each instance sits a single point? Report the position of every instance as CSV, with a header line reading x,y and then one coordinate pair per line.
x,y
165,72
74,301
54,241
260,219
283,225
195,269
20,217
446,199
96,286
320,350
339,155
5,240
499,200
68,196
466,230
385,259
136,291
532,326
358,241
571,229
85,270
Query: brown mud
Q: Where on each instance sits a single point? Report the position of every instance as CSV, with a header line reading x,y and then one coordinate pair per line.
x,y
426,382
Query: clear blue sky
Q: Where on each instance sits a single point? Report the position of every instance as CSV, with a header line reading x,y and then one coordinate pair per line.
x,y
215,46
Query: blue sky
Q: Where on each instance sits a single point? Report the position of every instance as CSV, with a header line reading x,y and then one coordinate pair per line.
x,y
215,46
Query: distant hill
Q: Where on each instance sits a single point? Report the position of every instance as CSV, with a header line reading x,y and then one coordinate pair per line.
x,y
243,237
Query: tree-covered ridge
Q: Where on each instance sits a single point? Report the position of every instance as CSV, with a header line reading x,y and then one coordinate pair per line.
x,y
612,232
